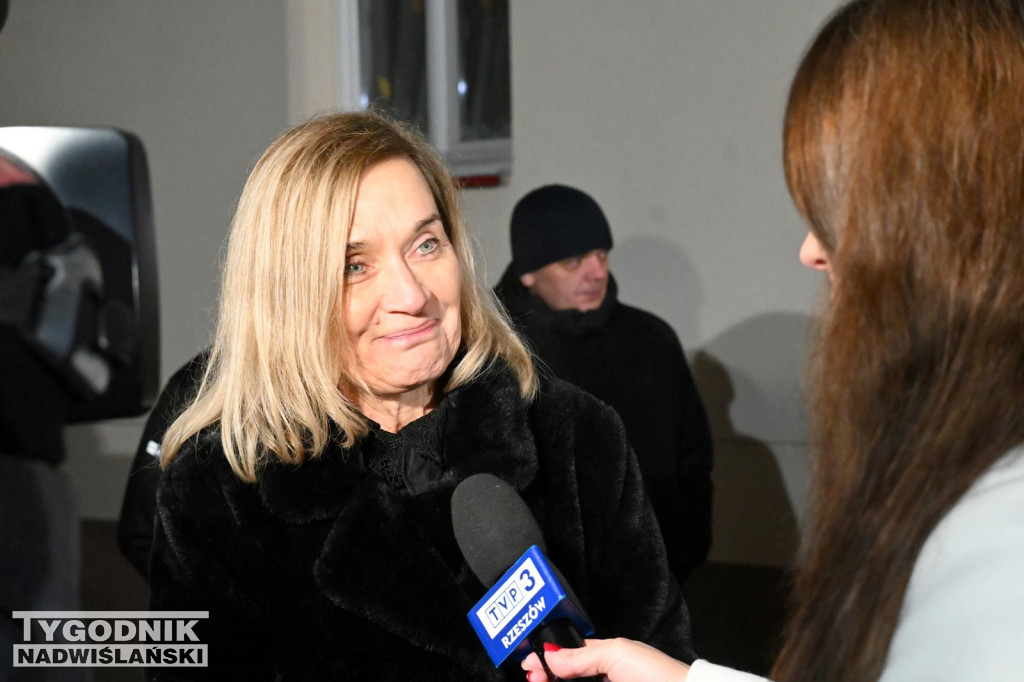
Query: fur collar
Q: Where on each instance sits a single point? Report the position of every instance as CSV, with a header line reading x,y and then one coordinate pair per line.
x,y
383,547
487,430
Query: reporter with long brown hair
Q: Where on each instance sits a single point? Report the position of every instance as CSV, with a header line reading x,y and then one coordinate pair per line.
x,y
904,151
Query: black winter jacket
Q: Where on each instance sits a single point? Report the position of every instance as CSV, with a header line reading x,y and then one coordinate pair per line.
x,y
334,569
138,507
633,361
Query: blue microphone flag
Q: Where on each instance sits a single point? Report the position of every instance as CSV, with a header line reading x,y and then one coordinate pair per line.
x,y
528,595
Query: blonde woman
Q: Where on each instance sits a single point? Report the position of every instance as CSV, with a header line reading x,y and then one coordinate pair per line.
x,y
359,372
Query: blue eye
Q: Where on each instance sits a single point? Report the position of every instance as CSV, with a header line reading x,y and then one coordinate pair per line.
x,y
354,269
428,246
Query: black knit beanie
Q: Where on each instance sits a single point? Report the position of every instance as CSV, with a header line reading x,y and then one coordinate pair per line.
x,y
553,223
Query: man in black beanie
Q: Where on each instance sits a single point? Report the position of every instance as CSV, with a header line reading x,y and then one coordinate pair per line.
x,y
563,300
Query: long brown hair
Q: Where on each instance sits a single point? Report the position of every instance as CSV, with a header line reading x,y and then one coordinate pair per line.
x,y
904,151
279,352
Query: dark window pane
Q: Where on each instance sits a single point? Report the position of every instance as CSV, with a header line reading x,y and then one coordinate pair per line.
x,y
393,58
484,81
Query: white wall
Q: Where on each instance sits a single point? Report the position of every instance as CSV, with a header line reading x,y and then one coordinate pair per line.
x,y
666,111
669,113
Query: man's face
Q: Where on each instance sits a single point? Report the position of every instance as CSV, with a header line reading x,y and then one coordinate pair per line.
x,y
580,282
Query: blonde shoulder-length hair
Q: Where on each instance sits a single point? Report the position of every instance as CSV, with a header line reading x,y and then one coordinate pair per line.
x,y
278,356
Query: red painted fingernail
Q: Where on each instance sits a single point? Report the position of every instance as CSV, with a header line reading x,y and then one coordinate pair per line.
x,y
548,646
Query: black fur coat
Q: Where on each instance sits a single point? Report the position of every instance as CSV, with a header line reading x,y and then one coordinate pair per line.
x,y
325,571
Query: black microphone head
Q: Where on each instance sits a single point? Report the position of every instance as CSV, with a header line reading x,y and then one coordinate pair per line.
x,y
493,525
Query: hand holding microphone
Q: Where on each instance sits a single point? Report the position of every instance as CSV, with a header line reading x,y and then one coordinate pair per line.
x,y
620,660
530,603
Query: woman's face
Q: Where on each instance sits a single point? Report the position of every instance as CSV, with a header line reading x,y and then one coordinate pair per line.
x,y
813,255
401,306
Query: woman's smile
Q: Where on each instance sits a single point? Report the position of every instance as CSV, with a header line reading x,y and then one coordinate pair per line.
x,y
412,335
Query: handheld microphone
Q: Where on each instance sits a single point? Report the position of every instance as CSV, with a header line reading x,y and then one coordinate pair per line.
x,y
530,602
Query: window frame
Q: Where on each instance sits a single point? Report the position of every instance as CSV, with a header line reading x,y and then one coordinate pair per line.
x,y
468,159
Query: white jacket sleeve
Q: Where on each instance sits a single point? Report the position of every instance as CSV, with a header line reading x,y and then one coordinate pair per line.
x,y
703,671
965,600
